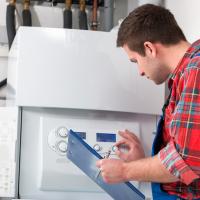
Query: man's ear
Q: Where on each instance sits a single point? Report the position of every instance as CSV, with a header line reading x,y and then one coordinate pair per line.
x,y
150,49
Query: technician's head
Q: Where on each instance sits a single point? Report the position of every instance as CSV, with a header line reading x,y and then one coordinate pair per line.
x,y
144,28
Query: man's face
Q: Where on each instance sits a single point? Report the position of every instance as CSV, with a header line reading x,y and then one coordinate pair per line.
x,y
149,65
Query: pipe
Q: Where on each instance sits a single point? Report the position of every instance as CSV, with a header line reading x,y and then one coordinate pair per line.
x,y
108,14
3,82
67,14
94,23
10,22
82,16
26,14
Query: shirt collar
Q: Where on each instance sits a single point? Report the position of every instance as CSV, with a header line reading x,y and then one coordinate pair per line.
x,y
188,54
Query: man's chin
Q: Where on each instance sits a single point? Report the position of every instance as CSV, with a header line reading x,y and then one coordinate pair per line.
x,y
158,82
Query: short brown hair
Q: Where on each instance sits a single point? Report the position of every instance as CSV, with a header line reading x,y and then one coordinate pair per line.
x,y
149,23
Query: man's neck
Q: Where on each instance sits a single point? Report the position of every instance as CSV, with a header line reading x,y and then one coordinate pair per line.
x,y
174,54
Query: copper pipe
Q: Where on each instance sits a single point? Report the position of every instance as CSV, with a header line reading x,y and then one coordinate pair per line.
x,y
68,4
83,25
67,14
94,23
12,2
82,5
26,4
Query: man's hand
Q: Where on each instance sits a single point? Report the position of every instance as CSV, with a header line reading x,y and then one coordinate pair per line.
x,y
147,169
112,170
131,143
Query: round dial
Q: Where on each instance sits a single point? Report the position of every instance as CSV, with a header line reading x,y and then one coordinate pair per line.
x,y
62,146
62,132
97,147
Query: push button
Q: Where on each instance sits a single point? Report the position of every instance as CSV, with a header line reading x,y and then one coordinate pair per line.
x,y
114,148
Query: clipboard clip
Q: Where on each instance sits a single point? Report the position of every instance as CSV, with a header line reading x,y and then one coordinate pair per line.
x,y
106,156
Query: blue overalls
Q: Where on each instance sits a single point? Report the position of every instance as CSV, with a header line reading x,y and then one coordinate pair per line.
x,y
157,192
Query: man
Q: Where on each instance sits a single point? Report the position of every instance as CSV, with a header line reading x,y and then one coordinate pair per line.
x,y
151,38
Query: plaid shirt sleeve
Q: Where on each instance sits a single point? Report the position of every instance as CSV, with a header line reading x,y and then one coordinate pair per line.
x,y
181,155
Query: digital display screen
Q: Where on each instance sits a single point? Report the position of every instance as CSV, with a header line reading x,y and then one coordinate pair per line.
x,y
106,137
82,134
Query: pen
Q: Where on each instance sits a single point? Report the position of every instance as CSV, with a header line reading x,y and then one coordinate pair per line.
x,y
106,156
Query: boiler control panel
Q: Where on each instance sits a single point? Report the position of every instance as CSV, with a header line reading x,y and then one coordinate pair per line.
x,y
100,141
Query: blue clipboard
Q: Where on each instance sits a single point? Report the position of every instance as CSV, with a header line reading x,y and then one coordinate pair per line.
x,y
85,157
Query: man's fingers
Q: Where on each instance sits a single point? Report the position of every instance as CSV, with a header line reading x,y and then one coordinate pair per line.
x,y
132,135
125,143
121,142
128,135
99,163
119,153
124,134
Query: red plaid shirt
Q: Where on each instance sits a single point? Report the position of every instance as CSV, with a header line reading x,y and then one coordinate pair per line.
x,y
180,153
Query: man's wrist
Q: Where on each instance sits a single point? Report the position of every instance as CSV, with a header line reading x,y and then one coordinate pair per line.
x,y
125,171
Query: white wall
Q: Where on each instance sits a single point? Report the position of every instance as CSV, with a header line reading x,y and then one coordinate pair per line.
x,y
187,14
156,2
131,5
3,36
2,12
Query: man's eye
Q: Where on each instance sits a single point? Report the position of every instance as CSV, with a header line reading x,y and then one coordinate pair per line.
x,y
133,60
